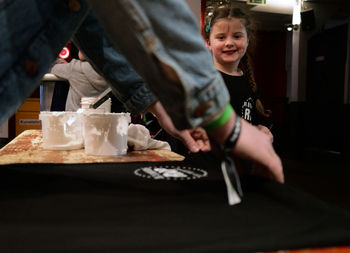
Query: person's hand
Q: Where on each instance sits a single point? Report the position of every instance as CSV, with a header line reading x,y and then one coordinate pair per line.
x,y
252,145
266,131
256,146
194,139
199,136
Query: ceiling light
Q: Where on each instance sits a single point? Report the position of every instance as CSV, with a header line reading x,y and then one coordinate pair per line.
x,y
291,27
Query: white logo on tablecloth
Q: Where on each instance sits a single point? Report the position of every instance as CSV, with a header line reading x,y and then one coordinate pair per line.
x,y
170,173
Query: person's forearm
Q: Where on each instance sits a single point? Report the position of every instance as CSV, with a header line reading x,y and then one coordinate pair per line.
x,y
240,138
221,133
194,139
61,70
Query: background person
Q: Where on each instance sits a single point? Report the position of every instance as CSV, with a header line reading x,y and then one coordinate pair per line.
x,y
83,80
229,32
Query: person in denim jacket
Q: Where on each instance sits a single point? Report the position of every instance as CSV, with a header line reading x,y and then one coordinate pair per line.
x,y
161,40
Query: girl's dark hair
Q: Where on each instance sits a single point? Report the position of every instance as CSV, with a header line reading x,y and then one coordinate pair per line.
x,y
227,12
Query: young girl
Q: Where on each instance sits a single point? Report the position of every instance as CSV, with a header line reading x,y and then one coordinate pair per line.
x,y
228,32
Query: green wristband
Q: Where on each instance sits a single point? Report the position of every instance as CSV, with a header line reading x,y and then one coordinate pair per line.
x,y
221,120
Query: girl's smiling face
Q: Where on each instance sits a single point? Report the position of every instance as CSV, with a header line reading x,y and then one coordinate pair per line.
x,y
228,42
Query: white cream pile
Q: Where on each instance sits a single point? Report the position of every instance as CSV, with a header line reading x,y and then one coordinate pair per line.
x,y
106,133
61,130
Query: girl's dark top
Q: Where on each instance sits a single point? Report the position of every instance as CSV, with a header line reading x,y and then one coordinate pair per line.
x,y
243,99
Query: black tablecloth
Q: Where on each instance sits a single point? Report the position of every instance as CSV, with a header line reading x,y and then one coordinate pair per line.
x,y
128,208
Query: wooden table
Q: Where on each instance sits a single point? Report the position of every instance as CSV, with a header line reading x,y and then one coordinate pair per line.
x,y
27,148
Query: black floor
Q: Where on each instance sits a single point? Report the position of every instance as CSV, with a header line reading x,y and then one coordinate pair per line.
x,y
324,175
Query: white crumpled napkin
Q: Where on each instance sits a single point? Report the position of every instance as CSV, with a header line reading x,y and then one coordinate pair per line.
x,y
140,138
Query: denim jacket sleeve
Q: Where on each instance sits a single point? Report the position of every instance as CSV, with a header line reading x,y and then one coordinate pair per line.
x,y
126,84
32,35
162,41
29,45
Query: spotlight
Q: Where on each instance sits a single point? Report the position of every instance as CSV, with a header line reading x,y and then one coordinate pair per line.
x,y
291,27
65,53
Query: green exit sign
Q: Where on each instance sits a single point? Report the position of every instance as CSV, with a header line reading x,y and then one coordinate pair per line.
x,y
256,1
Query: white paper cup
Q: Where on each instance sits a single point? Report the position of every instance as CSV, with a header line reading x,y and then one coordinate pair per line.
x,y
106,134
61,130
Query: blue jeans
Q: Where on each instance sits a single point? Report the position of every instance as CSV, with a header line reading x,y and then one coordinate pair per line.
x,y
161,40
